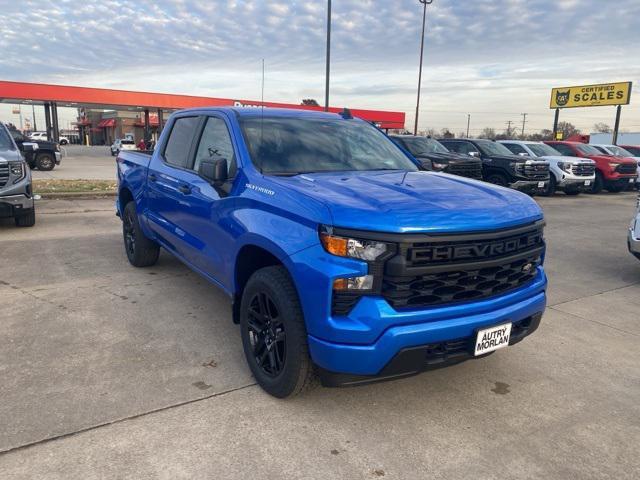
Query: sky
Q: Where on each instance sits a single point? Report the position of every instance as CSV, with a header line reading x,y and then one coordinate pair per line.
x,y
493,60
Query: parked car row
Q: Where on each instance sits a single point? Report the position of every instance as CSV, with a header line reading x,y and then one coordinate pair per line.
x,y
16,193
532,167
38,153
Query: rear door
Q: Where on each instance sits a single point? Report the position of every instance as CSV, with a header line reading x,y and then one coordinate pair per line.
x,y
168,187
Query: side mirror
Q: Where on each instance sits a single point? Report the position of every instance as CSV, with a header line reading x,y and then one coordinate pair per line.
x,y
474,154
214,170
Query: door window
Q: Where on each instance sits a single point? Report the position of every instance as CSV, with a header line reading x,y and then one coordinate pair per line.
x,y
515,148
461,147
564,149
215,143
176,152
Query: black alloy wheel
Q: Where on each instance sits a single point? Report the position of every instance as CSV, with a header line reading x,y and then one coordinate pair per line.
x,y
128,230
267,335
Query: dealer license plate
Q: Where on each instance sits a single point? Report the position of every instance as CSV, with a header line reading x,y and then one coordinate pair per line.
x,y
540,184
493,338
587,183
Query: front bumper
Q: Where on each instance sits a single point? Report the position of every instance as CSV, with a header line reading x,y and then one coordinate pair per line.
x,y
15,205
423,329
529,185
576,183
633,237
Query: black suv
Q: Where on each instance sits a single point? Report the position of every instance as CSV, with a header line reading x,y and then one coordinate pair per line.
x,y
501,167
40,154
434,156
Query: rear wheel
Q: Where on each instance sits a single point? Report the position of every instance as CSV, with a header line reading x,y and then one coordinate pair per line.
x,y
274,336
598,183
45,162
616,187
28,220
498,179
141,252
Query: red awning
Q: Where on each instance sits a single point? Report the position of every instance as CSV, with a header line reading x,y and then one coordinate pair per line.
x,y
153,121
107,122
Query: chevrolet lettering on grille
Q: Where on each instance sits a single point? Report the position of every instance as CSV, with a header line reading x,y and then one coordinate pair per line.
x,y
476,251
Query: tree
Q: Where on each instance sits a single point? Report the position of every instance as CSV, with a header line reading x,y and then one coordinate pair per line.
x,y
487,132
602,128
429,132
567,129
311,102
446,133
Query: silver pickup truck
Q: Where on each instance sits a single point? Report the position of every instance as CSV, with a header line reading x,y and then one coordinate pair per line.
x,y
16,193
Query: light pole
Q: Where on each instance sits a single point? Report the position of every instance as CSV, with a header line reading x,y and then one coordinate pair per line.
x,y
326,84
468,123
424,17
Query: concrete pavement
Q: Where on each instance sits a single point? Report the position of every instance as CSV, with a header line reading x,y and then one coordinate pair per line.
x,y
107,371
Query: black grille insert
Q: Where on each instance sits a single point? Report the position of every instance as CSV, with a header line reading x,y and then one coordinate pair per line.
x,y
465,169
583,169
4,174
626,168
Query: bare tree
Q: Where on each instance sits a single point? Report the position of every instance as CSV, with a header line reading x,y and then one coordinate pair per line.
x,y
602,127
567,129
310,101
446,133
488,132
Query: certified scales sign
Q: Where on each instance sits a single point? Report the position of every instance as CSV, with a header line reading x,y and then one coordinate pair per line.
x,y
591,95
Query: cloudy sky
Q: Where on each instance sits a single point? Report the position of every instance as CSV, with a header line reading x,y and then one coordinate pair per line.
x,y
492,59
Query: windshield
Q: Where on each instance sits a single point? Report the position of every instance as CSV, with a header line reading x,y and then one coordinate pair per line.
x,y
542,150
619,152
289,146
492,148
634,150
423,145
588,150
5,140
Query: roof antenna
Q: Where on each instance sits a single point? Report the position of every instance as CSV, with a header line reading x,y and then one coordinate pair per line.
x,y
346,114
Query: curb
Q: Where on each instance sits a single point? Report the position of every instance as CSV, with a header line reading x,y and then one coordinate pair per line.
x,y
75,195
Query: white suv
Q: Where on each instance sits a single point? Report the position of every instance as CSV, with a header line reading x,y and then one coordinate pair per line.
x,y
569,174
43,136
633,240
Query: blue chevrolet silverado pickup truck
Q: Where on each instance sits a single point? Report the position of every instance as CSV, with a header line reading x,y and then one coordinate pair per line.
x,y
343,261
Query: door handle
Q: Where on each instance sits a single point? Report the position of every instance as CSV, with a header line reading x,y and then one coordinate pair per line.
x,y
184,189
152,177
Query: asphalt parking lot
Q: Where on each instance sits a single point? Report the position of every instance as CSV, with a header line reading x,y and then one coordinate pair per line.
x,y
107,371
81,162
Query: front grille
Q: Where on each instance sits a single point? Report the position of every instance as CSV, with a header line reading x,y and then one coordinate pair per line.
x,y
4,174
466,169
583,169
533,171
626,168
449,269
459,285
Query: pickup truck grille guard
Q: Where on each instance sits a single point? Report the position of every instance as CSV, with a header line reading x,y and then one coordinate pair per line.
x,y
533,171
430,270
583,169
466,169
4,174
626,168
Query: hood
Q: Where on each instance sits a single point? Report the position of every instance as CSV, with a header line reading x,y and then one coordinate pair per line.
x,y
444,157
567,159
9,155
414,202
511,158
611,159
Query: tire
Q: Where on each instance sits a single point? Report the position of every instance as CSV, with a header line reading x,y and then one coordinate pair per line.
x,y
274,336
63,142
141,252
45,162
571,192
598,184
616,188
28,220
551,187
498,179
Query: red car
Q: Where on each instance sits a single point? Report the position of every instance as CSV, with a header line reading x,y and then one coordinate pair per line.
x,y
612,173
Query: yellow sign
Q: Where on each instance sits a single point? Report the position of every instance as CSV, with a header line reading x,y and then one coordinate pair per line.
x,y
591,95
559,135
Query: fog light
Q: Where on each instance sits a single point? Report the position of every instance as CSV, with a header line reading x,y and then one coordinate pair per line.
x,y
353,283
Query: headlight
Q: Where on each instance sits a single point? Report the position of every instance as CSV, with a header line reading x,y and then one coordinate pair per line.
x,y
613,165
565,166
438,166
18,170
368,250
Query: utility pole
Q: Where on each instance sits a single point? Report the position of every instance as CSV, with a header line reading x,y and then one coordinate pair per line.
x,y
524,122
509,128
33,111
326,84
424,18
468,123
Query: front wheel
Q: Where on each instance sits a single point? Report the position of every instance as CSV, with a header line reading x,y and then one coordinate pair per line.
x,y
598,183
274,337
28,220
45,162
551,187
616,187
141,252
